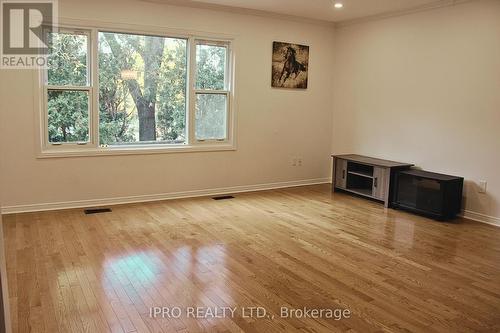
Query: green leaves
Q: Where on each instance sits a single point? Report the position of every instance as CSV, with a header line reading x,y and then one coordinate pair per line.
x,y
67,59
68,116
211,67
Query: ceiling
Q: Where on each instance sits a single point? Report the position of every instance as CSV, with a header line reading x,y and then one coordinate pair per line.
x,y
321,10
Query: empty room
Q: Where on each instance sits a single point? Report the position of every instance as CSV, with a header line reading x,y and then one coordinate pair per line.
x,y
189,166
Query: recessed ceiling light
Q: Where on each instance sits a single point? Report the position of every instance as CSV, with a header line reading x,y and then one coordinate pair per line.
x,y
338,5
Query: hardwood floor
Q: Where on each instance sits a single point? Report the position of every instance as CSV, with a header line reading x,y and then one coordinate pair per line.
x,y
292,248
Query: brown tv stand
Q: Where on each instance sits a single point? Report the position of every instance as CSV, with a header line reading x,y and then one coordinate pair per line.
x,y
365,176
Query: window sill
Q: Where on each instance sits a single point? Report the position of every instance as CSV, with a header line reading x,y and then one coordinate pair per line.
x,y
112,151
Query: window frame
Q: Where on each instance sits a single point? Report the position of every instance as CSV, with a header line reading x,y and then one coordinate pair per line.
x,y
92,147
196,91
88,88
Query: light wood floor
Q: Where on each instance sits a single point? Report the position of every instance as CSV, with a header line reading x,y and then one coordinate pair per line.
x,y
295,248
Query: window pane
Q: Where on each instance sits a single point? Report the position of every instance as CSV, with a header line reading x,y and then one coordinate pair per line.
x,y
211,67
211,116
68,116
67,59
142,89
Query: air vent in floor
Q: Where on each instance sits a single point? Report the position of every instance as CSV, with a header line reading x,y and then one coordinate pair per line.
x,y
97,210
223,197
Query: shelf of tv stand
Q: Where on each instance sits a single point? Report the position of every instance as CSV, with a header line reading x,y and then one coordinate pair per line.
x,y
361,174
365,192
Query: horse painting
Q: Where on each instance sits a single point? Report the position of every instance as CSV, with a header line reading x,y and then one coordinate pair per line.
x,y
290,65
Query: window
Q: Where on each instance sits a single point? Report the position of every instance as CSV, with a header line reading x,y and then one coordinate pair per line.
x,y
212,91
67,88
142,89
109,91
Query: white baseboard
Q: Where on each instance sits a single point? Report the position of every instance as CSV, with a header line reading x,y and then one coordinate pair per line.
x,y
197,193
467,214
158,197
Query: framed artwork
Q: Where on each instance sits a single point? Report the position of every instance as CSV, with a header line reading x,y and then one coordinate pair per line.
x,y
290,65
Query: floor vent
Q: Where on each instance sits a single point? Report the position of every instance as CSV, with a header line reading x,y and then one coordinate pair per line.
x,y
224,197
97,210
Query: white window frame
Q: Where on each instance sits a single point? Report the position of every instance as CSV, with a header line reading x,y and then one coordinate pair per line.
x,y
47,145
92,148
226,91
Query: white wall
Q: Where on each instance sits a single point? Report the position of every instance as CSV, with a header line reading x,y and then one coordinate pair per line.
x,y
425,88
273,125
421,88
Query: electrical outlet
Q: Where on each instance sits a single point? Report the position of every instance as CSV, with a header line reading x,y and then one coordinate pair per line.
x,y
482,186
299,161
294,162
